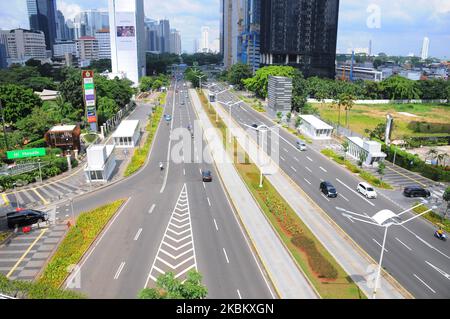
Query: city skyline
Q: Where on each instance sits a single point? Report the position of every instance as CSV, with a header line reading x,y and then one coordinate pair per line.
x,y
383,23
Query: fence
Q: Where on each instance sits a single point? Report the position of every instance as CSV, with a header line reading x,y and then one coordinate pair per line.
x,y
315,101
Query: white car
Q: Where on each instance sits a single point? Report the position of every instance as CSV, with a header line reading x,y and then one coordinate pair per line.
x,y
366,190
301,145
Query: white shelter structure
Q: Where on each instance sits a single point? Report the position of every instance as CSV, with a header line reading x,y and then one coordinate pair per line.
x,y
101,162
127,134
372,150
315,128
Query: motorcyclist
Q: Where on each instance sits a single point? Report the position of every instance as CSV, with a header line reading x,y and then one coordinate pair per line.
x,y
440,232
161,165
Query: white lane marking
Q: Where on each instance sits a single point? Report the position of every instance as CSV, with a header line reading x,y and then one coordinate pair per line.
x,y
184,171
322,180
423,282
138,234
344,197
307,181
239,294
443,273
294,169
200,171
76,273
308,169
215,224
204,185
226,256
296,159
209,202
323,169
119,270
325,197
151,209
379,245
425,243
309,158
282,158
355,192
403,244
284,149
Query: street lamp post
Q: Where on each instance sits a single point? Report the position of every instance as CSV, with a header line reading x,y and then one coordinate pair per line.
x,y
384,218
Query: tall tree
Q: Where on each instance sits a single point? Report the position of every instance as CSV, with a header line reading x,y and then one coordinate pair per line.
x,y
18,102
259,83
239,72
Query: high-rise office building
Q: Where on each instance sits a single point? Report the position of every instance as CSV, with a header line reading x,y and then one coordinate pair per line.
x,y
196,45
104,43
61,32
42,17
70,29
126,20
152,36
164,36
232,28
204,40
3,57
26,44
175,42
425,48
87,48
250,38
301,33
88,22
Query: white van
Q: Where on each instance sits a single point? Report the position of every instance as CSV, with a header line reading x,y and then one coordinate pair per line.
x,y
367,190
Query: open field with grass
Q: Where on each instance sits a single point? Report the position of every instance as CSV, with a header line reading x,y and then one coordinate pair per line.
x,y
369,116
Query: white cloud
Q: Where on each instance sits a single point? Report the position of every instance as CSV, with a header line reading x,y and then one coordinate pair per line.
x,y
70,10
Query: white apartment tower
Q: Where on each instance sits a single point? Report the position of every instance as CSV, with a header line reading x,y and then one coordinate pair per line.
x,y
205,40
425,48
126,20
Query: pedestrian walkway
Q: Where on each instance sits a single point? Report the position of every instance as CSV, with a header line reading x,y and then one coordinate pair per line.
x,y
352,259
288,280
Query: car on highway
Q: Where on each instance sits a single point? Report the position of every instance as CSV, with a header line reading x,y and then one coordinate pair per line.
x,y
207,176
168,117
366,190
255,125
25,217
301,145
328,189
416,191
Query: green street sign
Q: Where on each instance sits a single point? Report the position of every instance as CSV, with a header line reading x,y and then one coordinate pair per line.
x,y
89,86
18,154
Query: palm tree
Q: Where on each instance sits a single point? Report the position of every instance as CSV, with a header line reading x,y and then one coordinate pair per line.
x,y
347,102
345,147
432,153
441,158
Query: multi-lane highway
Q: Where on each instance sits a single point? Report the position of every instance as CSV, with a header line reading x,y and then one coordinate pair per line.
x,y
417,260
172,221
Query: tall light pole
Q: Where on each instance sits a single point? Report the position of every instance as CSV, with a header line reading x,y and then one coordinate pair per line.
x,y
384,218
200,79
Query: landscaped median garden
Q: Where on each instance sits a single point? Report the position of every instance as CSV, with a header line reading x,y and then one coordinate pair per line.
x,y
78,240
373,180
140,155
327,276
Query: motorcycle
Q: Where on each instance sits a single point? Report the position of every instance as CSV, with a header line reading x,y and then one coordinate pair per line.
x,y
161,166
442,237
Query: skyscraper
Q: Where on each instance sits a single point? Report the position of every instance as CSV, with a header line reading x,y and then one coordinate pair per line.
x,y
126,20
175,42
61,33
152,36
164,36
425,48
301,33
232,28
250,37
42,17
204,44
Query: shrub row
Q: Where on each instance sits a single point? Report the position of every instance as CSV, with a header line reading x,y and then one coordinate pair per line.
x,y
32,290
413,163
77,242
321,266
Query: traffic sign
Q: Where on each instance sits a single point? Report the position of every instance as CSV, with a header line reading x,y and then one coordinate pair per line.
x,y
33,152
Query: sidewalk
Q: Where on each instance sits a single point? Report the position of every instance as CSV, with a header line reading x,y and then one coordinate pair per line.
x,y
349,255
289,282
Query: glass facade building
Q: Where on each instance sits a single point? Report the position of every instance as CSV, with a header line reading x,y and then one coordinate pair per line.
x,y
42,16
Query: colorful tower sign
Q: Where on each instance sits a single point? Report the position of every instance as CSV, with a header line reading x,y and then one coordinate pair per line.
x,y
89,98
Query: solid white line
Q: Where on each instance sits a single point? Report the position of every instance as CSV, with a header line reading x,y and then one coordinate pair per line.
x,y
138,234
344,197
425,243
323,169
380,245
308,169
309,158
152,209
432,290
239,294
355,192
215,224
307,181
226,256
119,270
209,202
294,169
69,280
204,185
403,243
443,273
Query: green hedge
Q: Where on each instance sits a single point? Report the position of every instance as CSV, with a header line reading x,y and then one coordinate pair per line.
x,y
32,290
77,242
413,163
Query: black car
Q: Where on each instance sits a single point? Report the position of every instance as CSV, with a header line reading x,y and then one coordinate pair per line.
x,y
328,189
26,217
255,125
416,191
207,176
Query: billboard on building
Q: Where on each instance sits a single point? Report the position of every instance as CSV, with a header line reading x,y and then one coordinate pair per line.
x,y
126,31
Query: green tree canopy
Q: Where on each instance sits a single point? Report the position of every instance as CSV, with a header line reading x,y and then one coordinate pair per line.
x,y
36,124
193,75
106,108
239,72
18,102
260,81
397,87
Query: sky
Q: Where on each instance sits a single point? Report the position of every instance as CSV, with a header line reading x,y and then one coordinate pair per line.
x,y
396,27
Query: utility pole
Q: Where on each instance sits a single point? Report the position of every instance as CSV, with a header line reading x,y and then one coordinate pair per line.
x,y
4,127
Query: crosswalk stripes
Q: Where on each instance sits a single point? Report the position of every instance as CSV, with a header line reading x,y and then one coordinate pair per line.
x,y
176,252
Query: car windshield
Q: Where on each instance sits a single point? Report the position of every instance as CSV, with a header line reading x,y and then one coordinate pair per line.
x,y
332,190
370,189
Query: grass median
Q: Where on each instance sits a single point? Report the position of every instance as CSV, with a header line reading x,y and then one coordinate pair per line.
x,y
76,243
141,154
433,217
327,276
373,180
